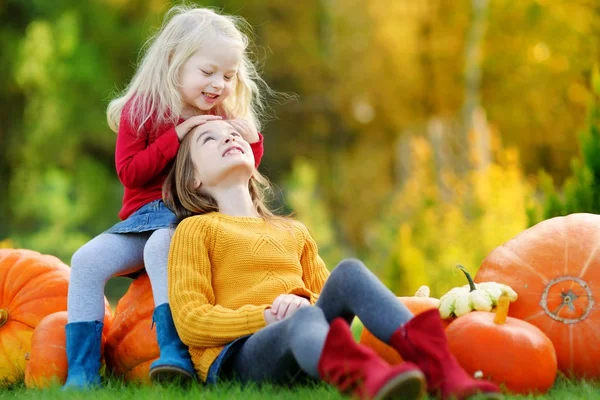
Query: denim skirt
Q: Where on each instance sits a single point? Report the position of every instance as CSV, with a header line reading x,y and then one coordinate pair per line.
x,y
150,217
220,369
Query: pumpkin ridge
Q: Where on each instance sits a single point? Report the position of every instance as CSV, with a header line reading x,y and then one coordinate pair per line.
x,y
48,276
594,329
510,253
118,340
589,260
571,352
13,319
39,272
534,316
3,317
28,299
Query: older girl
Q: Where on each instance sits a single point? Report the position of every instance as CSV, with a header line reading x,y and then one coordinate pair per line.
x,y
252,298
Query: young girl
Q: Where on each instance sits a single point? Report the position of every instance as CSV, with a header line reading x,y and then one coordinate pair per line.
x,y
196,69
252,298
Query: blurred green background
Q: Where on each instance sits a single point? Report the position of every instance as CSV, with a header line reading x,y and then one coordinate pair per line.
x,y
425,133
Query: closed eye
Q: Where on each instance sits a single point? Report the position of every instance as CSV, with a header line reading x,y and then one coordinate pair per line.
x,y
206,139
206,72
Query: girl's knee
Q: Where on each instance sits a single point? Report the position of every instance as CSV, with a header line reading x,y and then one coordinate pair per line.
x,y
349,267
84,258
159,240
308,312
156,251
86,267
307,320
305,315
162,235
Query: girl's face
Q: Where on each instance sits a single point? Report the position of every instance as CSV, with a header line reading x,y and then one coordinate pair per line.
x,y
220,155
208,76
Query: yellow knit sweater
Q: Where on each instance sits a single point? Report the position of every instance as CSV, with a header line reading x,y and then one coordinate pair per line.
x,y
225,271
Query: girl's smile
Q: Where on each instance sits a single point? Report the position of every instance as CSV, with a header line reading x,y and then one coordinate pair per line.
x,y
209,75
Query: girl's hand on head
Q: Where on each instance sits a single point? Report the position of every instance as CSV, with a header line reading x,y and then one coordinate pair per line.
x,y
286,305
246,129
192,122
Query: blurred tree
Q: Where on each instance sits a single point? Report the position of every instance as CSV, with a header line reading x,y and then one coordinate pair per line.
x,y
581,190
538,55
420,236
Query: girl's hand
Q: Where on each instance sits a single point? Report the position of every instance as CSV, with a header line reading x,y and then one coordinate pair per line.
x,y
269,317
246,129
192,122
286,305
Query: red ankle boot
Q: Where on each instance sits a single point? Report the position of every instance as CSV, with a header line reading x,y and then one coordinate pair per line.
x,y
356,369
422,340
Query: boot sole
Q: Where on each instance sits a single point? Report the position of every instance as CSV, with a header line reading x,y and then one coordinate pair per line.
x,y
170,374
407,386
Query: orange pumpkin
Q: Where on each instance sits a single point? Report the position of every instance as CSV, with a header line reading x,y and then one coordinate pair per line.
x,y
33,285
47,360
554,267
131,343
417,304
505,350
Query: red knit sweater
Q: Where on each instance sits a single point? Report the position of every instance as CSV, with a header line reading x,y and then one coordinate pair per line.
x,y
143,159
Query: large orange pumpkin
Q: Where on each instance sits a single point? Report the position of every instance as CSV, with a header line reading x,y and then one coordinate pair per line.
x,y
131,343
417,304
505,350
47,360
32,285
554,267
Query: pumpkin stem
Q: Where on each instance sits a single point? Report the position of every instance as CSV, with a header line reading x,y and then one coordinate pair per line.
x,y
471,283
502,309
3,316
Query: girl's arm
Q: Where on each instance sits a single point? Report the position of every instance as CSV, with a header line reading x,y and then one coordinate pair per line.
x,y
138,162
314,271
199,322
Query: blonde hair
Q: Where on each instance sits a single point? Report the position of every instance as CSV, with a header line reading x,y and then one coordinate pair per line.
x,y
153,90
185,200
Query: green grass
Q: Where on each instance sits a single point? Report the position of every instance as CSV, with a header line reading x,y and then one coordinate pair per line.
x,y
563,389
115,389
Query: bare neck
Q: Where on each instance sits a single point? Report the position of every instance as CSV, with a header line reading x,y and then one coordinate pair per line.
x,y
235,201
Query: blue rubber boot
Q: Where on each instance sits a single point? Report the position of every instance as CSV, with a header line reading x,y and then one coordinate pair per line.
x,y
83,354
174,363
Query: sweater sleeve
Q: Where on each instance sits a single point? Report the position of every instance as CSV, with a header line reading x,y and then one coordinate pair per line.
x,y
199,321
138,162
314,271
258,149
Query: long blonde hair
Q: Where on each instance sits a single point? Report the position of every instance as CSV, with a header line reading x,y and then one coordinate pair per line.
x,y
153,90
185,200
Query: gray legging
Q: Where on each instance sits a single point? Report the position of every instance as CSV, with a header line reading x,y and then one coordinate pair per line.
x,y
112,254
283,349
